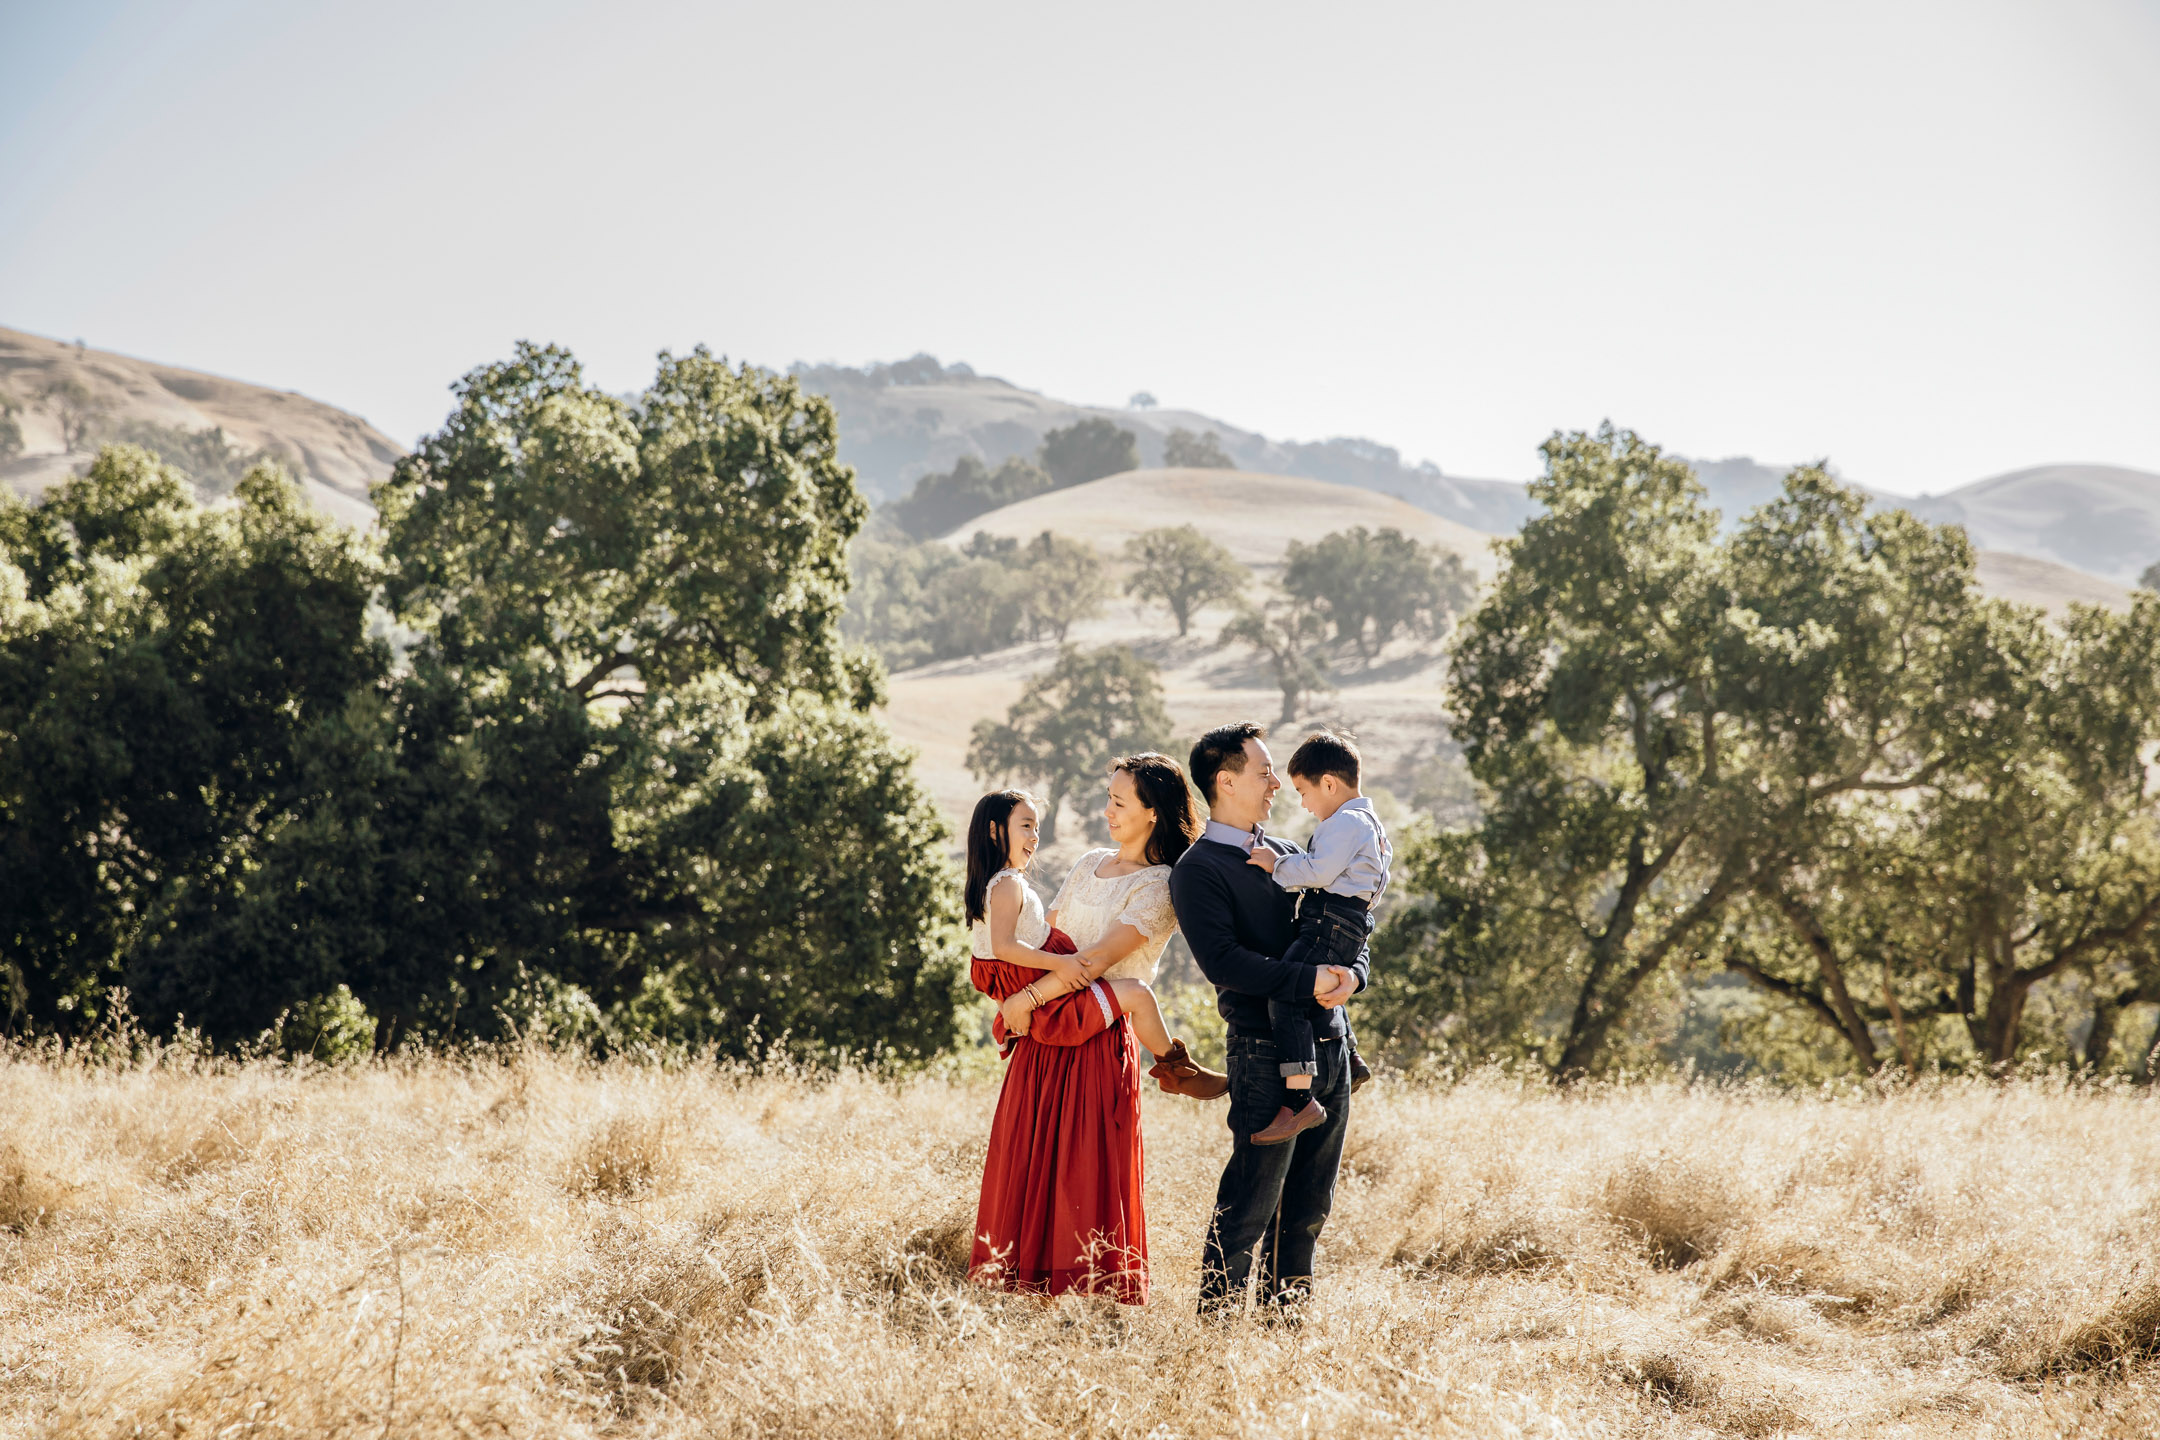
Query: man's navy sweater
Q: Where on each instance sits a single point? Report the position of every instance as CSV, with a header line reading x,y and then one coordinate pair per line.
x,y
1239,922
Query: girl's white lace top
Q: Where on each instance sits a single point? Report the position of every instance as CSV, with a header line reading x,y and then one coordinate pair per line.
x,y
1031,929
1088,907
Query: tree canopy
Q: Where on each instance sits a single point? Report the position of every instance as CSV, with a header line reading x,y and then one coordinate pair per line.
x,y
1289,639
1807,753
1183,569
1200,452
624,768
1088,450
1070,723
1371,585
942,503
915,603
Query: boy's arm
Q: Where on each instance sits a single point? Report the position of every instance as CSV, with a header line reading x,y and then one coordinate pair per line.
x,y
1203,909
1332,849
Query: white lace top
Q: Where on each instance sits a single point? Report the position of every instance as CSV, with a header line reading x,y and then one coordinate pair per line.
x,y
1089,906
1031,929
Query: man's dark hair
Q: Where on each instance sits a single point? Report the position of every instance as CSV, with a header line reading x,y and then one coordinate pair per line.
x,y
1222,748
1326,754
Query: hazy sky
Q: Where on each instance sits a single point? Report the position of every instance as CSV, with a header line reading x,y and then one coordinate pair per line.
x,y
1922,239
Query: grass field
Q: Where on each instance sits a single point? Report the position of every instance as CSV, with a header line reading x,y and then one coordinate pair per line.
x,y
538,1246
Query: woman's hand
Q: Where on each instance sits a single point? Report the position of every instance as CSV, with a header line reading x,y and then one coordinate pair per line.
x,y
1072,971
1019,1013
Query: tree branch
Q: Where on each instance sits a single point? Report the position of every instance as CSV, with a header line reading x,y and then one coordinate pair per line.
x,y
1791,990
2093,940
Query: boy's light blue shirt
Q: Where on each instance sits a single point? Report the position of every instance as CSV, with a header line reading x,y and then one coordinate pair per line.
x,y
1347,855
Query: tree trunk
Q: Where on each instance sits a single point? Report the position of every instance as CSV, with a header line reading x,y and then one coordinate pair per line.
x,y
1897,1019
1590,1022
1052,803
1811,933
2102,1035
2005,1016
1598,1010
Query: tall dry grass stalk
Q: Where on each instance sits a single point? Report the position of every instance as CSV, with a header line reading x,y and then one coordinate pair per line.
x,y
541,1246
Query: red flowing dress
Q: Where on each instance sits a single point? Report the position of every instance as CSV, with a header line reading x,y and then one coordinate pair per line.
x,y
1061,1207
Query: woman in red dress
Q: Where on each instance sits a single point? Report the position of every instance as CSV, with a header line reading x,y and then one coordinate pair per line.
x,y
1062,1205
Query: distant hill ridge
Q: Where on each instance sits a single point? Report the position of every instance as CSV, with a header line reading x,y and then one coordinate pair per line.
x,y
52,383
1257,516
910,418
902,420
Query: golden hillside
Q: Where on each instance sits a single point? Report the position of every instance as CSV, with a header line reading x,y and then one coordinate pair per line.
x,y
1253,516
338,454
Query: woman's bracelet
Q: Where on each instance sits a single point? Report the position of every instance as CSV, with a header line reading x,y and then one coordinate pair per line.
x,y
1030,988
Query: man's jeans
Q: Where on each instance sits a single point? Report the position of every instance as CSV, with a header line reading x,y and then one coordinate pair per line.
x,y
1274,1196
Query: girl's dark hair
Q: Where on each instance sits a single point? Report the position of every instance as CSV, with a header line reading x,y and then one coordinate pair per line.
x,y
1160,786
989,846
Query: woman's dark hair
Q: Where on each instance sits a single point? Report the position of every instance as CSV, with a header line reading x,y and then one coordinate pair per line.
x,y
1160,786
989,846
1222,748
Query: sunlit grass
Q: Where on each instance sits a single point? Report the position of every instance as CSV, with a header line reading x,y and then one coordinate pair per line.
x,y
540,1246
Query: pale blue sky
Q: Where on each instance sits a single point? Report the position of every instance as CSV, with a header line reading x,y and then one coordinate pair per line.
x,y
1922,239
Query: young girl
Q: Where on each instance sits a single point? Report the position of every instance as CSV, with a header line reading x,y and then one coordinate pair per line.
x,y
1046,989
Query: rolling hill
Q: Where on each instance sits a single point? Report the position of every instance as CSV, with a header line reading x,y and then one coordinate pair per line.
x,y
2029,581
1254,516
2104,519
901,421
337,455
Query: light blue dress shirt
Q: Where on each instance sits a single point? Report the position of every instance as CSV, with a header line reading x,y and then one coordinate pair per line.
x,y
1347,855
1230,835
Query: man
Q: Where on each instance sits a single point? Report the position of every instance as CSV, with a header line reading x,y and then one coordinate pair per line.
x,y
1238,923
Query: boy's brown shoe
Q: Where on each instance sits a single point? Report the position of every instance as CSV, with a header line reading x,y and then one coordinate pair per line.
x,y
1360,1072
1179,1074
1288,1124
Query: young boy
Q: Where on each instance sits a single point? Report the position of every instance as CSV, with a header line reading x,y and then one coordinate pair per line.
x,y
1342,873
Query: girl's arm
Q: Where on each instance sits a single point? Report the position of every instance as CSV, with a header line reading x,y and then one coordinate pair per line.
x,y
1120,941
1004,906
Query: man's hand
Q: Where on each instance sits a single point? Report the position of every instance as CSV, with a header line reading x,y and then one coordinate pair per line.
x,y
1263,857
1019,1013
1333,986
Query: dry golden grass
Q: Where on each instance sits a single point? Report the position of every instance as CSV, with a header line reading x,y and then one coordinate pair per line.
x,y
538,1246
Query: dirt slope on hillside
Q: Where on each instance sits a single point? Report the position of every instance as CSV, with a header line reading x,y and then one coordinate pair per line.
x,y
2052,587
339,454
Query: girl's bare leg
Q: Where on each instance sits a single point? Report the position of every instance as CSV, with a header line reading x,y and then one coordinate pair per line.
x,y
1135,999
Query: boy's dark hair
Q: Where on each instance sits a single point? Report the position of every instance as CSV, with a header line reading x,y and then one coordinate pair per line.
x,y
1222,748
989,847
1326,753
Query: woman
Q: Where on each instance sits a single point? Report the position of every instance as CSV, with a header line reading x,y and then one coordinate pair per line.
x,y
1061,1205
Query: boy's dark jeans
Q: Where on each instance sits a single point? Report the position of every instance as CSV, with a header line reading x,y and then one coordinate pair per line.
x,y
1274,1196
1331,930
